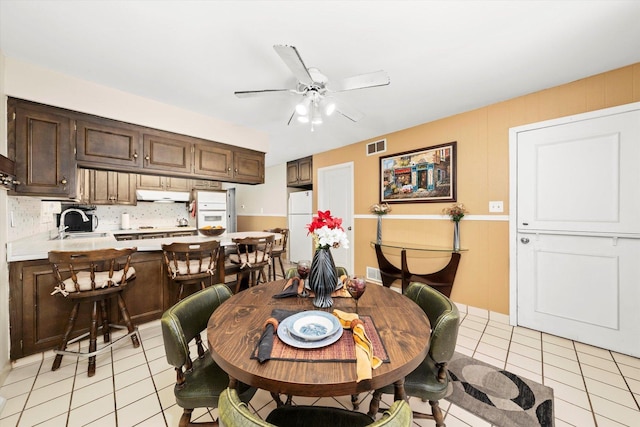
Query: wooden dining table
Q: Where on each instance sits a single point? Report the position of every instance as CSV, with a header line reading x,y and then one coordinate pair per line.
x,y
235,328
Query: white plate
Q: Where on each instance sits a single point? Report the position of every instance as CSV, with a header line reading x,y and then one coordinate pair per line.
x,y
313,327
285,335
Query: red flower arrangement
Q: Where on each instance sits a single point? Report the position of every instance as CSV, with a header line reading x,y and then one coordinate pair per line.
x,y
327,231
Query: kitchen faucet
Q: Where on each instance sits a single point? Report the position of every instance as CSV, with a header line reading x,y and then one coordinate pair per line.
x,y
63,227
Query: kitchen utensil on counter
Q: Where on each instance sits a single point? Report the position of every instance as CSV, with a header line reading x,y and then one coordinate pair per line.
x,y
183,222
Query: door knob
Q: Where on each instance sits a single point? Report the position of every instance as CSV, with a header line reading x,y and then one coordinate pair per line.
x,y
349,228
525,240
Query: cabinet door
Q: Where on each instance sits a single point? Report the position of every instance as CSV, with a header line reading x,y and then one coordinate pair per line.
x,y
292,173
248,167
109,188
305,171
44,316
44,159
177,184
107,144
166,154
216,162
203,184
146,295
150,182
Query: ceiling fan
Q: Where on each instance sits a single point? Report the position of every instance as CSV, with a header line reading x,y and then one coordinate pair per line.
x,y
316,89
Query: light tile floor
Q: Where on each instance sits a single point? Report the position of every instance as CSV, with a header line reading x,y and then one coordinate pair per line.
x,y
134,387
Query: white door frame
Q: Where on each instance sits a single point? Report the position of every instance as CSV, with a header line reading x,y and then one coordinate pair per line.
x,y
320,196
513,186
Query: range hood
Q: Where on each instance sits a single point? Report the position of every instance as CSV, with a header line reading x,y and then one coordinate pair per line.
x,y
162,196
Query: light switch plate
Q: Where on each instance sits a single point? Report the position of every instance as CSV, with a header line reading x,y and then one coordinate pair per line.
x,y
496,206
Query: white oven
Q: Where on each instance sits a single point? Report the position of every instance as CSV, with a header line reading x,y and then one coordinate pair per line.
x,y
211,208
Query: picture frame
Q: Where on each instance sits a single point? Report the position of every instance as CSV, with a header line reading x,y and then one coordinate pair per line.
x,y
425,175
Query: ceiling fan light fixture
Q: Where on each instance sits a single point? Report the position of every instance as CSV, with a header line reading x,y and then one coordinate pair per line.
x,y
330,108
303,119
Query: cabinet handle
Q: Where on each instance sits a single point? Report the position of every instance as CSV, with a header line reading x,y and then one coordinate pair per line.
x,y
525,240
135,155
236,170
147,157
229,169
63,181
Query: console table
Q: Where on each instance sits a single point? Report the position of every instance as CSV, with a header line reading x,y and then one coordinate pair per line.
x,y
441,280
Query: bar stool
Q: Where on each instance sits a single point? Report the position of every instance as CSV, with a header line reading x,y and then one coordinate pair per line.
x,y
191,263
252,255
93,276
279,248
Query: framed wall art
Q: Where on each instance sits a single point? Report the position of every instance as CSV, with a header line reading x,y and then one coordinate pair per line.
x,y
424,175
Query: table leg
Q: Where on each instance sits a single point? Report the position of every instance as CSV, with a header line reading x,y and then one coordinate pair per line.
x,y
441,280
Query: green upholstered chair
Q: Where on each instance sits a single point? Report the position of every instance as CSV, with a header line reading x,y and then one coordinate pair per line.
x,y
235,413
430,381
199,381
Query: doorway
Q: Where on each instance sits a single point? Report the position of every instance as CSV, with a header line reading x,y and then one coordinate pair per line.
x,y
575,234
335,193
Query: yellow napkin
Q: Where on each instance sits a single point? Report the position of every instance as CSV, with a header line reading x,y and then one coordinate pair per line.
x,y
365,359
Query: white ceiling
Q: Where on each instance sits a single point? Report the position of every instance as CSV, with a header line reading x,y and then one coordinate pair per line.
x,y
443,57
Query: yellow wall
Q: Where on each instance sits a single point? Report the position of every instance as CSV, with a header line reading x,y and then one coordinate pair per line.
x,y
252,223
482,137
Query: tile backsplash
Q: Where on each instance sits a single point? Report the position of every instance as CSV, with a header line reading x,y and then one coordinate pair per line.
x,y
29,216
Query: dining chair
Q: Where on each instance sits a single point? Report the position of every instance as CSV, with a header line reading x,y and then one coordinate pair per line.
x,y
199,380
234,413
430,381
95,277
252,255
279,249
191,263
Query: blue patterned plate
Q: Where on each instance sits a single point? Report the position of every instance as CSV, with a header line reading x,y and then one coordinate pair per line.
x,y
311,326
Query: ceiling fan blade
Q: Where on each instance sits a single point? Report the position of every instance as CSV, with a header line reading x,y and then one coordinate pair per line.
x,y
291,118
291,57
361,81
347,111
250,93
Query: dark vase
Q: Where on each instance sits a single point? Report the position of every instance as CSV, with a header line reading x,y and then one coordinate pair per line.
x,y
323,277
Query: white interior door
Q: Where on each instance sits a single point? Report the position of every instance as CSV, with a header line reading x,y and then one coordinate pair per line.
x,y
577,228
335,193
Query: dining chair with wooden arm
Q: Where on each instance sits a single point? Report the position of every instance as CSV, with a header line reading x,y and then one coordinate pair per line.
x,y
252,255
235,413
199,380
279,249
430,381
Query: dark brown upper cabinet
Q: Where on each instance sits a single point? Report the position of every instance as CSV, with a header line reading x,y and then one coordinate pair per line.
x,y
162,153
300,172
101,142
41,142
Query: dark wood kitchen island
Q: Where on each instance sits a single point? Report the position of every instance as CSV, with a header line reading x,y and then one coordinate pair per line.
x,y
38,319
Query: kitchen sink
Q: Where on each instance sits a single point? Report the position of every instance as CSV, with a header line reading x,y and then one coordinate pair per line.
x,y
81,235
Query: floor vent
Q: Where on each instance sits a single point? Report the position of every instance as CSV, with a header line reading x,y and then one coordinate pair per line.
x,y
376,147
373,274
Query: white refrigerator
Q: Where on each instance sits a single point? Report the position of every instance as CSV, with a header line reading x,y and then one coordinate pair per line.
x,y
300,214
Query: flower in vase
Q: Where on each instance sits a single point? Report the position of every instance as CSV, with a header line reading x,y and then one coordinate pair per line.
x,y
455,211
381,209
327,231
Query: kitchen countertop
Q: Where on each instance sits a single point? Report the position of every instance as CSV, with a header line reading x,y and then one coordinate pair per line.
x,y
38,246
153,230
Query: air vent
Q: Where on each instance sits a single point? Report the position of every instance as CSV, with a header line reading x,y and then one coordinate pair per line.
x,y
373,274
376,147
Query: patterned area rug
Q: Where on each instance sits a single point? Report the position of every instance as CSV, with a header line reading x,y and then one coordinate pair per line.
x,y
498,396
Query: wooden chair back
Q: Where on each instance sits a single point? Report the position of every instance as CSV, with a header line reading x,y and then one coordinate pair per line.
x,y
94,272
191,261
